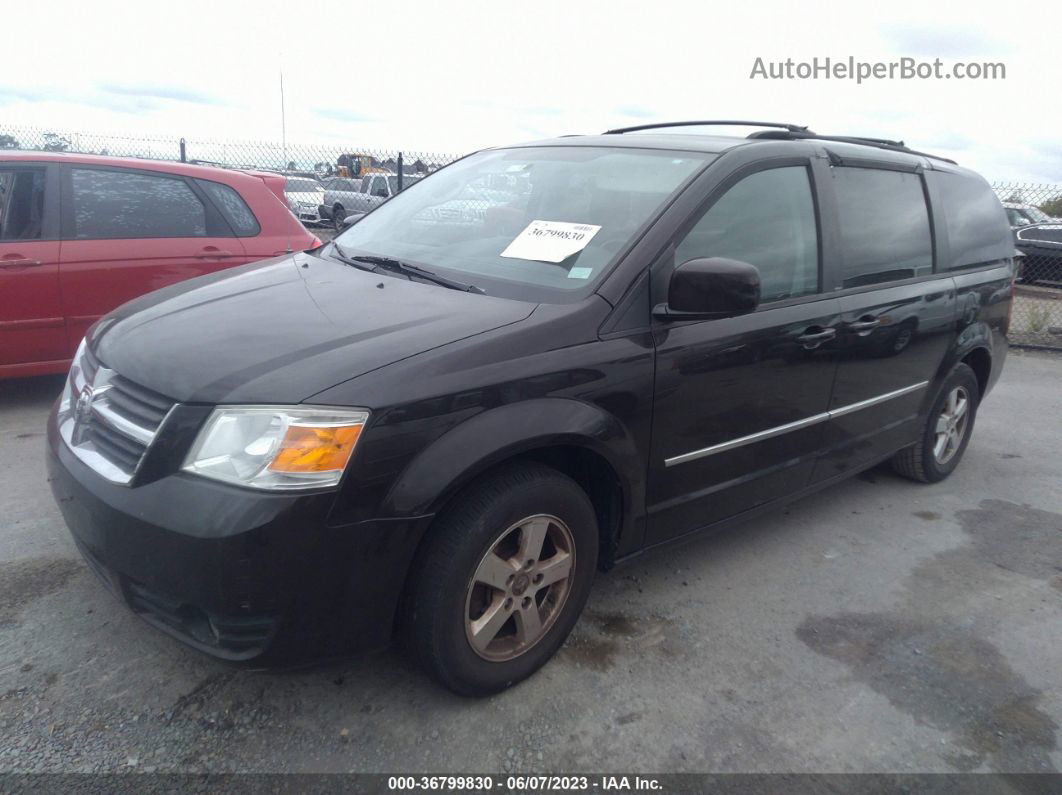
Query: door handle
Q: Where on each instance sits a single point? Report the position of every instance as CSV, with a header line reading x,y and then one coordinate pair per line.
x,y
19,262
865,323
215,253
812,337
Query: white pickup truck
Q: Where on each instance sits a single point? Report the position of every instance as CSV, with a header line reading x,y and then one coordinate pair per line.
x,y
345,196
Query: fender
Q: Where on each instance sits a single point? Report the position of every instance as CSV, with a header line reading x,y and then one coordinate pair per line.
x,y
976,335
493,436
985,298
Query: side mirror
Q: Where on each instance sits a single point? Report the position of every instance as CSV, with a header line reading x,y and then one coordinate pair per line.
x,y
711,288
350,220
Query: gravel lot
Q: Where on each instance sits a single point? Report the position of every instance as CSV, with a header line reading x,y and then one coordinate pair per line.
x,y
878,626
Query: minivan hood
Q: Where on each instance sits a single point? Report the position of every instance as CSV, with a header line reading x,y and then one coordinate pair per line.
x,y
281,330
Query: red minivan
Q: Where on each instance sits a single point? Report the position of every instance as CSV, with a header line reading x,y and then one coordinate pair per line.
x,y
82,234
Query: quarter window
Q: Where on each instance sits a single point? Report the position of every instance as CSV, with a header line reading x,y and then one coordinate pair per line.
x,y
767,220
21,203
233,207
977,229
884,225
124,204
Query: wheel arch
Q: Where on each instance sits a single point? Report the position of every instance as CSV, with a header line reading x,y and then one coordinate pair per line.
x,y
583,442
979,359
974,348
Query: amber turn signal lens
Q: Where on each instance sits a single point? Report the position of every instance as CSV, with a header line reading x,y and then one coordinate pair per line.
x,y
308,449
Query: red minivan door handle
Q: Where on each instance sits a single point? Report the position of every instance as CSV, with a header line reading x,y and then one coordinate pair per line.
x,y
18,262
210,252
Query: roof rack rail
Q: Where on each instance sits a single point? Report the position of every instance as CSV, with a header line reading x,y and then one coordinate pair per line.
x,y
792,128
878,143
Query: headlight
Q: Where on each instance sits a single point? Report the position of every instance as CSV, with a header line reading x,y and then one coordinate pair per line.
x,y
276,447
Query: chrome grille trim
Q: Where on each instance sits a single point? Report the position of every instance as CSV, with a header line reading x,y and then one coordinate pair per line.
x,y
102,409
107,421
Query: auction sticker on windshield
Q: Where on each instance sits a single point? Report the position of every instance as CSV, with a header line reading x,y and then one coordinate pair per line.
x,y
550,241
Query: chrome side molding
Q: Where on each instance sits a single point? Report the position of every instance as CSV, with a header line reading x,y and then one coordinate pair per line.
x,y
770,433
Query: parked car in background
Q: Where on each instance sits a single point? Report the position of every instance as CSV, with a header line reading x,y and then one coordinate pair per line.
x,y
448,429
1042,246
305,197
371,191
341,196
81,234
1038,237
1020,214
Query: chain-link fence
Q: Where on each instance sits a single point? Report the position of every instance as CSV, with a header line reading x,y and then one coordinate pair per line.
x,y
347,179
1035,215
318,161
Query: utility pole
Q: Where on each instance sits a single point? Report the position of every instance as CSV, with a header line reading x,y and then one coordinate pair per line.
x,y
283,121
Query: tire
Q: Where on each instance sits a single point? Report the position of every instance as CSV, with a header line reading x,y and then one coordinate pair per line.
x,y
338,214
479,538
930,460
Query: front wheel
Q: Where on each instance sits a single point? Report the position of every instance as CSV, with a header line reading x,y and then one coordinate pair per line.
x,y
946,431
503,579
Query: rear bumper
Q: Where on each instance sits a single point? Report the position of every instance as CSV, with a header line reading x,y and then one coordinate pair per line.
x,y
242,576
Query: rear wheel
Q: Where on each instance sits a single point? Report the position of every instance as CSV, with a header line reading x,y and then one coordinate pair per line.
x,y
503,579
946,431
338,214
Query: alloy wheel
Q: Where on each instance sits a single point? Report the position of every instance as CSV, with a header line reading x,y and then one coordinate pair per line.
x,y
951,425
519,587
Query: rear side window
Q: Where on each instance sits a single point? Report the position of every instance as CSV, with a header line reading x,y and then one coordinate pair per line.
x,y
124,204
21,203
978,231
884,225
232,206
767,220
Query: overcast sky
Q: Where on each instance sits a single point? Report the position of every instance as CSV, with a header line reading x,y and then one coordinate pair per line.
x,y
452,77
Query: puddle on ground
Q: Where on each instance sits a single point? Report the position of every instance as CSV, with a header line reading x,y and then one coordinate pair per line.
x,y
944,674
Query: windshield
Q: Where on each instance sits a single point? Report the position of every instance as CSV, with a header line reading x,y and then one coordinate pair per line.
x,y
301,186
551,217
1038,215
1018,218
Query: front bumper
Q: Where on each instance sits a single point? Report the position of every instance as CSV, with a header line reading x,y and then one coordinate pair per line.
x,y
244,576
308,214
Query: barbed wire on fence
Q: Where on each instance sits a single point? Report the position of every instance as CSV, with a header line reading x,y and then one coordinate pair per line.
x,y
1033,210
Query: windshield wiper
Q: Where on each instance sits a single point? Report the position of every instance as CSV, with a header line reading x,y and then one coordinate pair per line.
x,y
339,254
372,263
397,266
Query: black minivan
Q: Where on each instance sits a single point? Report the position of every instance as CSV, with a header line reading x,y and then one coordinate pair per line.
x,y
442,423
